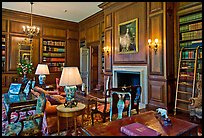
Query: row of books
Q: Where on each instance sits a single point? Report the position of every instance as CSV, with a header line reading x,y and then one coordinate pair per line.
x,y
187,65
191,17
3,39
3,52
190,27
199,76
191,35
188,54
54,43
185,89
59,64
53,54
3,58
191,44
46,59
53,49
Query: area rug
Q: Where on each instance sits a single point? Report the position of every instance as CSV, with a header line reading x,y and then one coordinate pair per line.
x,y
87,122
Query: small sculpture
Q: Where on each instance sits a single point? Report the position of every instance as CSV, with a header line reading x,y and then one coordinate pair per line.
x,y
163,112
165,120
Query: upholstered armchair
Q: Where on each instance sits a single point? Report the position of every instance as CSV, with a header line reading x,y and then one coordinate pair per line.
x,y
31,125
196,102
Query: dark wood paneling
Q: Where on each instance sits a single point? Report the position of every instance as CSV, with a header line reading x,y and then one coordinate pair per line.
x,y
126,14
4,25
17,27
73,54
92,34
108,43
72,34
82,35
155,6
157,93
94,66
54,32
156,31
108,20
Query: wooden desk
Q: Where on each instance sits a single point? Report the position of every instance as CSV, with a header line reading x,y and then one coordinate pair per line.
x,y
179,127
16,102
70,112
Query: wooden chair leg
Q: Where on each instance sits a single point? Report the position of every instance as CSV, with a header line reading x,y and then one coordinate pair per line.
x,y
92,118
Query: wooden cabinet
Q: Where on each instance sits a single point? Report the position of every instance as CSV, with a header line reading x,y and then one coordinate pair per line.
x,y
54,54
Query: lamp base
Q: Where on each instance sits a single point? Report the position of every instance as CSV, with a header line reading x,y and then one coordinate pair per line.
x,y
42,79
70,104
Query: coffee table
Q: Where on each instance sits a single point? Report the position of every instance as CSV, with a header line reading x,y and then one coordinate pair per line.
x,y
16,102
178,128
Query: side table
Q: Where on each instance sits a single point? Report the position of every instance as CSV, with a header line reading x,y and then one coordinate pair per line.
x,y
67,112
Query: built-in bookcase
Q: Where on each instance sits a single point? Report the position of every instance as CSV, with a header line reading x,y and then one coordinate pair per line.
x,y
190,36
3,52
190,58
54,54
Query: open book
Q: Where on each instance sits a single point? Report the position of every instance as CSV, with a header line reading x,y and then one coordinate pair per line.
x,y
137,129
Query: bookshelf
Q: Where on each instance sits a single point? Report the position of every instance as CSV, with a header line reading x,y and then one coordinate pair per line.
x,y
190,59
190,36
102,53
54,54
3,52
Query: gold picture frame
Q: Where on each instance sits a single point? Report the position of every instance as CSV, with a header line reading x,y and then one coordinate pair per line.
x,y
128,37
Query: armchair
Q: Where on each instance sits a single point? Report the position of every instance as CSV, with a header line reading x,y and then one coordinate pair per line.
x,y
31,125
196,102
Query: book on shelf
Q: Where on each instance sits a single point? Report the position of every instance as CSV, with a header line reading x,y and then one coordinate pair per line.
x,y
190,17
138,129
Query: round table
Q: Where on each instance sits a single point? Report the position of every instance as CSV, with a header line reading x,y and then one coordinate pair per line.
x,y
73,112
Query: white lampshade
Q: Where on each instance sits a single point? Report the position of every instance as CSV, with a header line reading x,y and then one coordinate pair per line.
x,y
70,77
42,69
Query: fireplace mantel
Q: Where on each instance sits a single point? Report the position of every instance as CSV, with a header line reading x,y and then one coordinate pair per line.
x,y
143,80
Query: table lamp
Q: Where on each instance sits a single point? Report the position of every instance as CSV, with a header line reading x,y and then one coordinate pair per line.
x,y
70,77
42,70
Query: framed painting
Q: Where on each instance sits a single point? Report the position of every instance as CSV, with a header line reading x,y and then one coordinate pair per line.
x,y
128,36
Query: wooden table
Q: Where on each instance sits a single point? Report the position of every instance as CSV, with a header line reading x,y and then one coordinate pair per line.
x,y
16,102
179,127
73,112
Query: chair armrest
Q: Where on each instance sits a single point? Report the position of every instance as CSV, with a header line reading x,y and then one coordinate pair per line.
x,y
35,116
195,102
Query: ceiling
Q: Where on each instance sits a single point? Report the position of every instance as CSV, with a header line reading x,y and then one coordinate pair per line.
x,y
69,11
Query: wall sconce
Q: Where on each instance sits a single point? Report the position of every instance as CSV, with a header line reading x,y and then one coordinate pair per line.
x,y
106,49
155,44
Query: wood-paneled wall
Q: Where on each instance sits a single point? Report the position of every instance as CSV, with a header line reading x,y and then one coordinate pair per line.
x,y
50,28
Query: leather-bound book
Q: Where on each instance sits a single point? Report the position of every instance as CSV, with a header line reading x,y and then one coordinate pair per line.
x,y
137,129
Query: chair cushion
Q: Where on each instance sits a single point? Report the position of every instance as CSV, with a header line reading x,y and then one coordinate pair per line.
x,y
30,128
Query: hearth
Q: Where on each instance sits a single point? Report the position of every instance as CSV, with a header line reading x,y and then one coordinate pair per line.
x,y
132,75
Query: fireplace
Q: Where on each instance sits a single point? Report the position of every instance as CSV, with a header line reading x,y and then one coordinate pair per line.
x,y
132,75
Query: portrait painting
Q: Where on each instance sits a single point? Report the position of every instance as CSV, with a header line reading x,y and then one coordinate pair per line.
x,y
128,36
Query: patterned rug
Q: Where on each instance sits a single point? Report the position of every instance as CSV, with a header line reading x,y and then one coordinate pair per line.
x,y
87,122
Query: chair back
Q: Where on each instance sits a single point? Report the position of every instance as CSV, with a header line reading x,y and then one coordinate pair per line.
x,y
40,107
136,95
107,93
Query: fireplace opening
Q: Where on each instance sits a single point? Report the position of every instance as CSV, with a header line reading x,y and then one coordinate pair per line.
x,y
127,79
